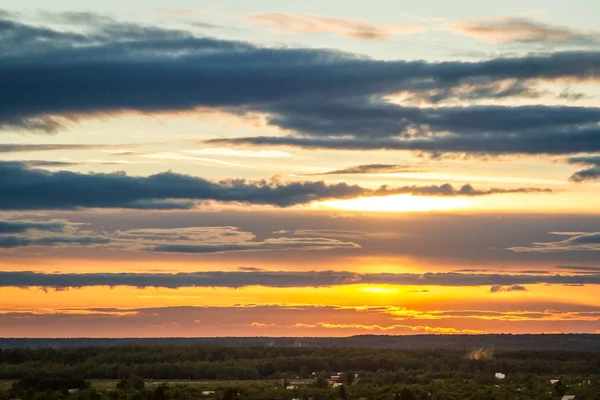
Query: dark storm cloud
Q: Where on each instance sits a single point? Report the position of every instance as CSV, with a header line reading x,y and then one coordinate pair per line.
x,y
26,188
24,226
282,279
372,169
589,174
121,67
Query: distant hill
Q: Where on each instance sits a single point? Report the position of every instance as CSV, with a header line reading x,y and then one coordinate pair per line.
x,y
585,342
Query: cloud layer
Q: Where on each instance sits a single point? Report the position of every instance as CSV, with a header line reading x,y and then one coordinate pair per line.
x,y
193,240
123,67
283,279
26,188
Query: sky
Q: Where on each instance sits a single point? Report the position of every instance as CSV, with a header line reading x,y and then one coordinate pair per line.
x,y
268,168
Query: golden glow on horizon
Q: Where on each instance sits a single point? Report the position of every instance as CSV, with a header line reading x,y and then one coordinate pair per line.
x,y
378,290
417,297
401,202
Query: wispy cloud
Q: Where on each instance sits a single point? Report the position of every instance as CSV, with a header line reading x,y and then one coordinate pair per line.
x,y
284,320
228,152
352,28
373,169
191,158
17,148
194,240
575,242
525,30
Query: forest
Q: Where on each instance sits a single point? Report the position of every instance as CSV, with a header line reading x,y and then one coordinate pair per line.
x,y
285,373
585,342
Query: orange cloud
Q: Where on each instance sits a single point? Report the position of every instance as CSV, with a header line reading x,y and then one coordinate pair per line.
x,y
353,28
421,329
523,30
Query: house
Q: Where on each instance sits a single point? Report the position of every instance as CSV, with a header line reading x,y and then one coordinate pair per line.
x,y
291,387
568,397
72,391
554,381
500,375
208,392
337,384
335,379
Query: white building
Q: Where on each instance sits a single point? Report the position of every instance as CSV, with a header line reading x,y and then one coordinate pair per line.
x,y
500,375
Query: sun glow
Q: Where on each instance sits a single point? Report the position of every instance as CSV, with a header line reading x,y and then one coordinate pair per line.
x,y
378,290
402,202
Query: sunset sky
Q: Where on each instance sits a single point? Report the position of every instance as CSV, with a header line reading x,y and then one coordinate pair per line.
x,y
315,168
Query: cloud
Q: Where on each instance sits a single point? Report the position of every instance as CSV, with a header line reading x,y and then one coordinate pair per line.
x,y
250,269
525,30
575,242
47,163
409,328
372,169
25,188
578,269
281,320
352,28
77,18
125,67
588,174
193,240
284,279
268,244
19,241
227,152
368,125
16,148
511,288
12,227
